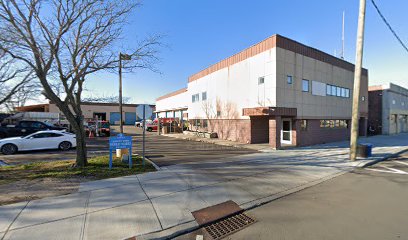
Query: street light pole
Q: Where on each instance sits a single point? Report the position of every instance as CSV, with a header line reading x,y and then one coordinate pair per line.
x,y
120,93
357,80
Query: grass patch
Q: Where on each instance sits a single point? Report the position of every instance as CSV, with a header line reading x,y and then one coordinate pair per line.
x,y
97,168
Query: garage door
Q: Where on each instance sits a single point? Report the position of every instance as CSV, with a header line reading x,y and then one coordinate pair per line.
x,y
130,118
114,118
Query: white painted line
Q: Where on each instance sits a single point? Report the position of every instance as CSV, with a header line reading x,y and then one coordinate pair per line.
x,y
390,170
404,163
396,170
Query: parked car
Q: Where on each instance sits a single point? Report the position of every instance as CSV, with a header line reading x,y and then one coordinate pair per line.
x,y
151,126
138,124
51,139
24,128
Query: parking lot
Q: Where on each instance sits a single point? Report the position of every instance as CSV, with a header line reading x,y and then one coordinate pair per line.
x,y
162,150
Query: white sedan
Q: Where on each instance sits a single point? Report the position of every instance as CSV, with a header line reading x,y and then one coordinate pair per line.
x,y
51,139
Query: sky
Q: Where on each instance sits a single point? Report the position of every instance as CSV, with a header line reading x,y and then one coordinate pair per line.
x,y
199,33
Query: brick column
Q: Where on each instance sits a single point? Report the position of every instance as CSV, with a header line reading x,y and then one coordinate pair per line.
x,y
275,132
295,131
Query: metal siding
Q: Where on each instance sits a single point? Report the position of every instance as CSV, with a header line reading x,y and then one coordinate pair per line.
x,y
130,118
114,117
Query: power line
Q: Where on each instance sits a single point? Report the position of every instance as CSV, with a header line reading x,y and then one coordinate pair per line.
x,y
389,26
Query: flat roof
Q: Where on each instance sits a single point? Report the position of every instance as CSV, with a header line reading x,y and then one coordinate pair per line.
x,y
180,91
43,106
272,42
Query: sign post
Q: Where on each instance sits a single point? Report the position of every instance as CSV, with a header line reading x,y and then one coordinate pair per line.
x,y
120,142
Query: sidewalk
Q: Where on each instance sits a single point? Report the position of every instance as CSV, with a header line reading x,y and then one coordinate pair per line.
x,y
160,203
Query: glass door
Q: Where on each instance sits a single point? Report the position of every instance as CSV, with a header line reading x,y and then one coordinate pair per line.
x,y
286,132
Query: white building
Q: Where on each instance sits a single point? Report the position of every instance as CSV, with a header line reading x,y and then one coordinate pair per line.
x,y
278,91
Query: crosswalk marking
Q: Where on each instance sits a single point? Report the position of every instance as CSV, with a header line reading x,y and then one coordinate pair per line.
x,y
404,163
390,170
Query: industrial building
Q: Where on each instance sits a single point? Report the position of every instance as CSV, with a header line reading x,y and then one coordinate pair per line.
x,y
103,111
277,91
388,109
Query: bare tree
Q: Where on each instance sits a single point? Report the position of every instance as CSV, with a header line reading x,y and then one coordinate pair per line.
x,y
106,99
12,78
67,40
210,114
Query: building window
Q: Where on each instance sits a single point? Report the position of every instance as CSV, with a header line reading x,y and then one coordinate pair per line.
x,y
305,85
328,90
204,96
347,93
343,92
218,113
363,98
205,123
333,92
303,125
195,98
393,101
261,80
338,92
290,79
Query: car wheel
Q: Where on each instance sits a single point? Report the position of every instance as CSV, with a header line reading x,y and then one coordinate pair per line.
x,y
149,129
9,149
65,146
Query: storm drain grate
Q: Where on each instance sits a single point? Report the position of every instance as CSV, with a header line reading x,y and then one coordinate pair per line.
x,y
227,226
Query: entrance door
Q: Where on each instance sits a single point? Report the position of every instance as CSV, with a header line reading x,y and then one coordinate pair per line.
x,y
286,132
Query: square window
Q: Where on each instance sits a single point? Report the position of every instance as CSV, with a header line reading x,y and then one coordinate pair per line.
x,y
290,79
303,125
204,96
363,98
338,93
261,80
305,85
343,92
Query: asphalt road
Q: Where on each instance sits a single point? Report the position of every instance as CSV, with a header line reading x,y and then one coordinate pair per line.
x,y
367,203
166,151
162,150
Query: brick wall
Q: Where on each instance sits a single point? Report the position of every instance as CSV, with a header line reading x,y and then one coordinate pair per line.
x,y
317,135
375,112
260,129
238,130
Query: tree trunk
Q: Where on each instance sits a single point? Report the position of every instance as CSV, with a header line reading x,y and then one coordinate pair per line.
x,y
81,158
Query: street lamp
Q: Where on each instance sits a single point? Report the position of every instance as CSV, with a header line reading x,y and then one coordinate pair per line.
x,y
121,57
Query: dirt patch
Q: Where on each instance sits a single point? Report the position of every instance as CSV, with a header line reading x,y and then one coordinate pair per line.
x,y
25,190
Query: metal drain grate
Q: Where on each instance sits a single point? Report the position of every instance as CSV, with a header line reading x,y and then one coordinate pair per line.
x,y
229,225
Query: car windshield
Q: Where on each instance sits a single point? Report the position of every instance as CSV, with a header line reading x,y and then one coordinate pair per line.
x,y
49,124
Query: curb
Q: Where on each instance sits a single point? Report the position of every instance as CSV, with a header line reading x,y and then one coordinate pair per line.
x,y
154,164
192,225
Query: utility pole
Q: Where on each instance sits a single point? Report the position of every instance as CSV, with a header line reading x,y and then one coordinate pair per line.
x,y
144,134
342,38
120,93
357,80
121,57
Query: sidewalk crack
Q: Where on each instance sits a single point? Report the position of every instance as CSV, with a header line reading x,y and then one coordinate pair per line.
x,y
8,228
151,203
82,233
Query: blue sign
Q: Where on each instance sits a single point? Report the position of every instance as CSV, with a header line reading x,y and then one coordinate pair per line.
x,y
120,142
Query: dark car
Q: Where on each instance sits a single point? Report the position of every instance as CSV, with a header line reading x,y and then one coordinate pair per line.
x,y
25,127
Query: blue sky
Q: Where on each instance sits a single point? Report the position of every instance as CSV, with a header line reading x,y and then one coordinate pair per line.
x,y
201,32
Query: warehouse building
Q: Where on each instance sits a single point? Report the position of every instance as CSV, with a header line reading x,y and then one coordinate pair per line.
x,y
388,109
173,105
279,92
104,111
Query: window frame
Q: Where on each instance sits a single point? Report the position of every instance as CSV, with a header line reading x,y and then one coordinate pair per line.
x,y
261,80
289,79
204,94
303,85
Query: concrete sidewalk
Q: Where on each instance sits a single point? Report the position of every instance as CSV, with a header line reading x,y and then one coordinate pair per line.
x,y
160,203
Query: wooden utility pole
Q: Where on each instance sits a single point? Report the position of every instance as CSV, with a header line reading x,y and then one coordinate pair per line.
x,y
120,93
357,80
